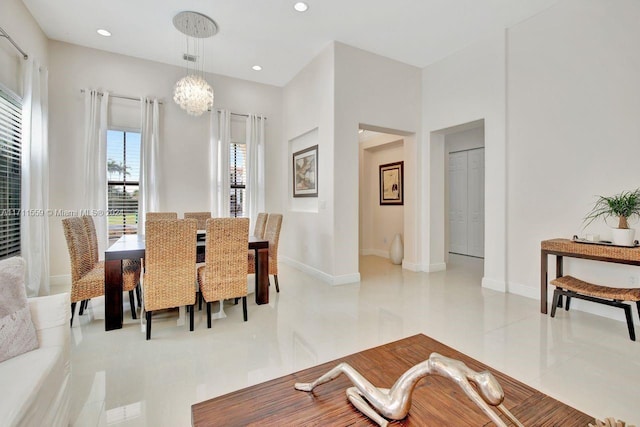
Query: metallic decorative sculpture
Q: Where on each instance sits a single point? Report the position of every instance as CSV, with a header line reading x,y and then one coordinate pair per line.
x,y
383,404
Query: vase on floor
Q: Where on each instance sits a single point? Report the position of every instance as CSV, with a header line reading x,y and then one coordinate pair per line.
x,y
396,252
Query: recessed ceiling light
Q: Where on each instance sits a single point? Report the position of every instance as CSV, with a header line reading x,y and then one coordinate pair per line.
x,y
301,6
256,68
103,32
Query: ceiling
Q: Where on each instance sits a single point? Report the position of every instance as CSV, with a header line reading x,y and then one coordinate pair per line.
x,y
272,34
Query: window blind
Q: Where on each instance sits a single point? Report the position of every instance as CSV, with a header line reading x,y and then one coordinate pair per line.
x,y
10,179
238,178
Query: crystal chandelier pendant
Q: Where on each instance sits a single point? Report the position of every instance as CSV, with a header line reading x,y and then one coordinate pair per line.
x,y
192,92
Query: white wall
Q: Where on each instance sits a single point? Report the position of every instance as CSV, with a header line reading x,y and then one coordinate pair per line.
x,y
16,20
184,139
378,223
573,131
307,227
380,92
464,88
340,89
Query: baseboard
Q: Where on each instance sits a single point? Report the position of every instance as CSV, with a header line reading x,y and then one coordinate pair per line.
x,y
411,266
523,290
439,266
376,252
327,278
495,285
345,279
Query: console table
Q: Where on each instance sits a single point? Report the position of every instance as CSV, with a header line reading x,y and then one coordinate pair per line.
x,y
568,248
437,401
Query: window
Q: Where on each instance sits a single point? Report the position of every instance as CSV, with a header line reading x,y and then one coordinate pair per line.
x,y
238,178
123,181
10,180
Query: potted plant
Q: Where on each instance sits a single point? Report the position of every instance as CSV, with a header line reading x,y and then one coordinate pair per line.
x,y
624,205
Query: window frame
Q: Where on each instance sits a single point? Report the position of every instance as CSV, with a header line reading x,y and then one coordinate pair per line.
x,y
124,182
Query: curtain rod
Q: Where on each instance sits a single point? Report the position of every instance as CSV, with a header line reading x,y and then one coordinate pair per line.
x,y
3,33
113,95
160,102
241,115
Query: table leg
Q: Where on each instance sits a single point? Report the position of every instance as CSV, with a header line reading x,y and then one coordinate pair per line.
x,y
543,281
113,295
262,276
559,273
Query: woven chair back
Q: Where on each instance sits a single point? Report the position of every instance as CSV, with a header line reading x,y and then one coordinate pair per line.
x,y
79,247
201,217
225,267
272,234
170,259
153,216
261,222
90,229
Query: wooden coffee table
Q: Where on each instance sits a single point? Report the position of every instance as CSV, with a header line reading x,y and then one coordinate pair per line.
x,y
436,401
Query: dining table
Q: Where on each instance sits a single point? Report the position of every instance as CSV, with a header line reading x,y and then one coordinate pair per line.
x,y
132,246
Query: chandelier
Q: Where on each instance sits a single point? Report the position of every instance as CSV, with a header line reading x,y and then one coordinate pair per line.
x,y
192,92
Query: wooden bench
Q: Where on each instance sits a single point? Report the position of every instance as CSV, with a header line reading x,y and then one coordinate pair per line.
x,y
571,287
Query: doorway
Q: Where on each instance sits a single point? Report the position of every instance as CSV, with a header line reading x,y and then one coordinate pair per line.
x,y
464,178
378,223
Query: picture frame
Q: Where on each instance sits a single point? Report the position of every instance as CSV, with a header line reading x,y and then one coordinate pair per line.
x,y
305,172
392,184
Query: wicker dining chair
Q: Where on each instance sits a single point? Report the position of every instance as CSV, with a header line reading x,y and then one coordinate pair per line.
x,y
272,234
261,222
87,276
201,217
130,268
169,274
152,216
224,274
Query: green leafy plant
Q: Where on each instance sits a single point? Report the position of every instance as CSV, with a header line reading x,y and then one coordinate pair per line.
x,y
624,206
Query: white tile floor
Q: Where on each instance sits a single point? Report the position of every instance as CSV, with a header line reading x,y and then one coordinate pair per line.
x,y
120,379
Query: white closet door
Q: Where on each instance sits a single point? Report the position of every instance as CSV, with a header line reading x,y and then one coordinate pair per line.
x,y
475,198
466,202
458,216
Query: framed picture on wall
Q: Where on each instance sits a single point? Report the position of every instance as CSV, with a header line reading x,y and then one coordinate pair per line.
x,y
392,184
305,172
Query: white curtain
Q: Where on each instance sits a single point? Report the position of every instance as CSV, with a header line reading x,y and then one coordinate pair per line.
x,y
95,161
255,166
34,229
219,162
149,162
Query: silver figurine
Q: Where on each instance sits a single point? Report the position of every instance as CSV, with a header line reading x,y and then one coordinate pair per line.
x,y
383,404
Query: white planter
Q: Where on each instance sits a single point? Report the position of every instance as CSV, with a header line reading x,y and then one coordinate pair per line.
x,y
396,252
622,236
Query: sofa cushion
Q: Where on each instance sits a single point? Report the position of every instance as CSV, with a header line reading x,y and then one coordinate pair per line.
x,y
35,380
17,333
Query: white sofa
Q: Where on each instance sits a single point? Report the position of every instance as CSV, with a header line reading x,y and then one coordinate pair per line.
x,y
35,386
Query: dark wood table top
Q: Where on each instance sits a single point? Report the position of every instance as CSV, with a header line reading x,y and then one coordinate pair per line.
x,y
436,401
132,246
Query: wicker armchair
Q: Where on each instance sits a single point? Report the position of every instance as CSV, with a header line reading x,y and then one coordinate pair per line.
x,y
271,233
201,217
261,222
130,268
170,259
224,275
